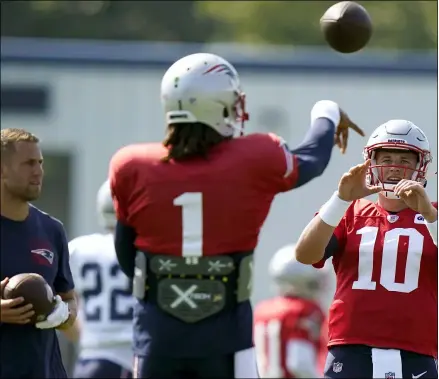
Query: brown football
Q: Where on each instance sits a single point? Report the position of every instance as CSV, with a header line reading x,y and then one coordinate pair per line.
x,y
35,290
347,27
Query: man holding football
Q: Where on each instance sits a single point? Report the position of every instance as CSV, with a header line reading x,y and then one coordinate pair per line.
x,y
383,320
31,241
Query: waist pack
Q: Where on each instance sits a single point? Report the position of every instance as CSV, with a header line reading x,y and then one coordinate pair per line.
x,y
193,288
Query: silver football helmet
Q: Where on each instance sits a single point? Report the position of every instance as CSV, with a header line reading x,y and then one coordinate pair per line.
x,y
105,207
399,135
204,88
294,278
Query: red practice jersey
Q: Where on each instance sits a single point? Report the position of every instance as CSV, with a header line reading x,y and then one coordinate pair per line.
x,y
289,338
387,281
210,206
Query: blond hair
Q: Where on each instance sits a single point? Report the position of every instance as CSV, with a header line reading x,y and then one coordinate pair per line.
x,y
10,136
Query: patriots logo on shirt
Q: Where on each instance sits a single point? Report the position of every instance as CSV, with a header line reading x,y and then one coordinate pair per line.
x,y
389,375
43,255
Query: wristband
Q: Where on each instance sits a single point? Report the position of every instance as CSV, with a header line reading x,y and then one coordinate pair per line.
x,y
326,109
432,228
333,210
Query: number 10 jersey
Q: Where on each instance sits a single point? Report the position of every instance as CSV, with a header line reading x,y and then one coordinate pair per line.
x,y
386,266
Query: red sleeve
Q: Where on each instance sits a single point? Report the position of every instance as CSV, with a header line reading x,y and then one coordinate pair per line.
x,y
277,162
336,243
120,179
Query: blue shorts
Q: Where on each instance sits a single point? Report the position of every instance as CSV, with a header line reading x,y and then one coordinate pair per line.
x,y
360,361
238,365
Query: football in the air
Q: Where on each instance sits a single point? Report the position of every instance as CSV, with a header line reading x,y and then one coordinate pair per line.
x,y
346,26
35,290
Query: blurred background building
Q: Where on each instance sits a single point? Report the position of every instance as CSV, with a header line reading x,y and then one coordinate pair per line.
x,y
85,77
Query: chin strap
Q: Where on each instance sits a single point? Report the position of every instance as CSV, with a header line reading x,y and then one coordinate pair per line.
x,y
388,190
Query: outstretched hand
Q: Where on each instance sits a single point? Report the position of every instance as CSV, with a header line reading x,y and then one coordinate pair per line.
x,y
352,185
342,131
415,197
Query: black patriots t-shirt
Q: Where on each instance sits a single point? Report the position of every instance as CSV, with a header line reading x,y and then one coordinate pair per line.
x,y
36,245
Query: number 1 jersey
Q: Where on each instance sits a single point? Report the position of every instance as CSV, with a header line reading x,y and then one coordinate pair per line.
x,y
105,300
201,206
215,205
386,266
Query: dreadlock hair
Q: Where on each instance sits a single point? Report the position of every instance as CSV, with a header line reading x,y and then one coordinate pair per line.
x,y
190,140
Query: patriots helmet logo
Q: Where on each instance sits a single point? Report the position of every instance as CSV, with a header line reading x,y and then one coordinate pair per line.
x,y
223,68
45,254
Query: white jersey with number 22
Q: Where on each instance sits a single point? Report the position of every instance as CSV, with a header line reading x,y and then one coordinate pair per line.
x,y
105,300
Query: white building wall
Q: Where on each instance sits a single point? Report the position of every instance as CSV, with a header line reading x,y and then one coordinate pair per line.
x,y
97,110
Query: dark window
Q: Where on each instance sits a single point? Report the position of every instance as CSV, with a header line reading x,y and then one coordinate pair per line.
x,y
24,99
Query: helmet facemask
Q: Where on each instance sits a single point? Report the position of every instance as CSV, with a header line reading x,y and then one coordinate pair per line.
x,y
236,116
375,175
